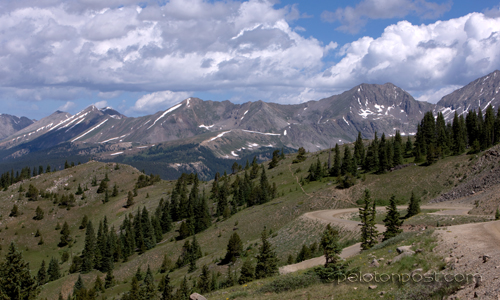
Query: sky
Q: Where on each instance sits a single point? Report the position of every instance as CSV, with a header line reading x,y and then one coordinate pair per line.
x,y
141,57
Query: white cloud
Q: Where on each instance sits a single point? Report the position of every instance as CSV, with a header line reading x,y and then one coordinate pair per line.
x,y
67,106
434,95
420,58
153,102
109,95
353,19
101,104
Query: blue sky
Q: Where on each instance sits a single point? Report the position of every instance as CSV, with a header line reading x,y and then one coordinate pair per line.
x,y
142,57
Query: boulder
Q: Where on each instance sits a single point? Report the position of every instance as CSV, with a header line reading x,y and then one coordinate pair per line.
x,y
400,256
375,263
196,296
404,249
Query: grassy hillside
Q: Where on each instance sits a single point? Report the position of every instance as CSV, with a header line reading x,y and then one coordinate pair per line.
x,y
281,215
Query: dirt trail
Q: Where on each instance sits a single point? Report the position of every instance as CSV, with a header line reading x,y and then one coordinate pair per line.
x,y
332,216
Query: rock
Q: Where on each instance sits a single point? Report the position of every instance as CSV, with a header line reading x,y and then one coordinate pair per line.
x,y
419,250
400,256
375,263
372,287
403,249
486,257
447,260
477,278
382,293
381,259
196,296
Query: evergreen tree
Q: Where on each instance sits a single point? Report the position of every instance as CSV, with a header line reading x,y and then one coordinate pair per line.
x,y
183,290
267,259
148,290
497,214
16,281
138,274
14,212
204,283
89,249
65,238
98,285
39,214
247,272
134,292
275,160
234,248
408,147
130,199
167,291
79,191
54,271
383,155
301,156
166,264
78,285
331,246
398,149
85,221
392,220
335,170
106,197
41,276
367,215
346,161
115,191
413,206
109,280
359,149
103,186
304,254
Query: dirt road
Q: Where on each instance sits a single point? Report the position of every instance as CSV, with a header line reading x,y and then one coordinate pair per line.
x,y
333,216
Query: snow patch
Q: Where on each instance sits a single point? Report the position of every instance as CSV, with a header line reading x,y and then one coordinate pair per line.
x,y
92,129
206,127
219,135
166,112
244,115
234,154
284,133
346,121
115,138
264,133
116,153
365,112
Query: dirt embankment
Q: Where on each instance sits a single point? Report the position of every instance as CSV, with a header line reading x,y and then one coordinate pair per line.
x,y
483,180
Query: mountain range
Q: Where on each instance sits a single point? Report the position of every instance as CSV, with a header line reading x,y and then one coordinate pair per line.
x,y
185,136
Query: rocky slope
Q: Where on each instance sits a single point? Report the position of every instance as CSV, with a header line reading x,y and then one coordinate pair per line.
x,y
10,124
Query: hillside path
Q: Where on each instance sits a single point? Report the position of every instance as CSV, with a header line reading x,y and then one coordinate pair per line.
x,y
333,216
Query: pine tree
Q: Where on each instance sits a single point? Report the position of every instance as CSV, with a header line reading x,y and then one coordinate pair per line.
x,y
103,186
234,248
392,220
148,290
85,221
275,160
134,292
41,276
335,171
78,285
183,290
39,214
167,290
115,191
37,233
331,246
65,238
98,285
166,264
267,259
130,199
79,191
147,230
106,197
14,212
247,272
304,254
413,206
16,281
367,215
359,149
397,150
497,214
204,283
301,155
53,271
89,249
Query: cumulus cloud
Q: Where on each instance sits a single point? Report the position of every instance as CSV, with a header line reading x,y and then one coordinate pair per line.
x,y
67,50
153,102
101,104
353,19
419,58
67,106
